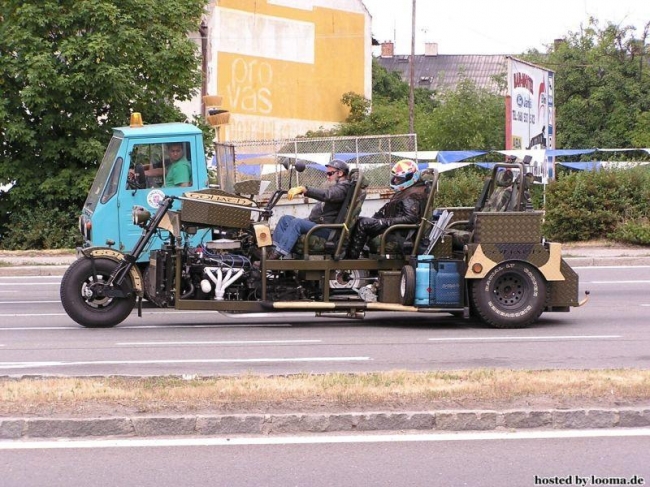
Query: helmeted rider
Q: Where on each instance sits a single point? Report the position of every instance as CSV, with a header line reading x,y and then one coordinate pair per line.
x,y
404,207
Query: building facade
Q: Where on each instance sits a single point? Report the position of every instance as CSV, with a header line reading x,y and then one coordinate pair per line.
x,y
282,66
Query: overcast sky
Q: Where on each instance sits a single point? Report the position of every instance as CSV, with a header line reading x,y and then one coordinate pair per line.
x,y
495,26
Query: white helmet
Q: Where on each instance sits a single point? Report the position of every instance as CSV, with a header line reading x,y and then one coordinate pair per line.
x,y
404,174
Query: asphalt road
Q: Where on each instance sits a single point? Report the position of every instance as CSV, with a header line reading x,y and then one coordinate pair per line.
x,y
37,337
588,457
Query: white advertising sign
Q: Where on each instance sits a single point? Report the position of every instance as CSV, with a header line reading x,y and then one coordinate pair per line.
x,y
531,126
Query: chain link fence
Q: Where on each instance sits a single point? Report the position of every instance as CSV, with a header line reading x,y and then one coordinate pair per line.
x,y
271,160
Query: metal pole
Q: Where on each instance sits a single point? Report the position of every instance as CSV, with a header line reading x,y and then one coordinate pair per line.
x,y
412,74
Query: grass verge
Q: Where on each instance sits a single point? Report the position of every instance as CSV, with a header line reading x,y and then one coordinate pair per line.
x,y
396,390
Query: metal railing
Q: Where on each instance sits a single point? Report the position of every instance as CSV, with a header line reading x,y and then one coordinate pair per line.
x,y
269,160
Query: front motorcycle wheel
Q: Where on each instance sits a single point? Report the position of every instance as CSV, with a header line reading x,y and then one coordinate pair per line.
x,y
82,298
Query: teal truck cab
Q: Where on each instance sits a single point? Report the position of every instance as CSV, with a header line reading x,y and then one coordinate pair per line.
x,y
135,171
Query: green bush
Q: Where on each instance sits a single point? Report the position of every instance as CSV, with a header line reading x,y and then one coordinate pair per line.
x,y
636,232
590,205
460,187
42,228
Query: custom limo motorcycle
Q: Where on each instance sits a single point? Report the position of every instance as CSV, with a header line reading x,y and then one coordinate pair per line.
x,y
489,262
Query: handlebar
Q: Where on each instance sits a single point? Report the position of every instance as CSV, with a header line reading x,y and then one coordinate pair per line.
x,y
273,200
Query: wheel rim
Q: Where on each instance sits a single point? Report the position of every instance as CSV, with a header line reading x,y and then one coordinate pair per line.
x,y
348,279
93,287
510,290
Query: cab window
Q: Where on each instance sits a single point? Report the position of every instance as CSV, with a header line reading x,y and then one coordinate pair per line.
x,y
166,164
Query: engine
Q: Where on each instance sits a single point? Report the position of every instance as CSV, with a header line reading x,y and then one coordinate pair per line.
x,y
222,269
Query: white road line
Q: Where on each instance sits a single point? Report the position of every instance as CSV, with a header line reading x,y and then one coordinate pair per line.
x,y
17,315
224,342
29,365
587,267
525,338
318,439
30,302
29,284
31,277
616,282
155,327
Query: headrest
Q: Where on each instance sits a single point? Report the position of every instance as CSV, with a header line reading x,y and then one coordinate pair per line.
x,y
503,178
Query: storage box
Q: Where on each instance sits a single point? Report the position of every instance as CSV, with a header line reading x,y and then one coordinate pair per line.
x,y
389,282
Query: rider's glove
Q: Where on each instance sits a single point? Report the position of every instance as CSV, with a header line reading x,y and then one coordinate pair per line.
x,y
293,192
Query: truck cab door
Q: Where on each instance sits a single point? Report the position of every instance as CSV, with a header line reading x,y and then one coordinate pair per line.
x,y
152,170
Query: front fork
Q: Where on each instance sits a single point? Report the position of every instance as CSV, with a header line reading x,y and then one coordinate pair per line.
x,y
114,286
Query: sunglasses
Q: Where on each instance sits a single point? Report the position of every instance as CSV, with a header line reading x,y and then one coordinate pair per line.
x,y
329,173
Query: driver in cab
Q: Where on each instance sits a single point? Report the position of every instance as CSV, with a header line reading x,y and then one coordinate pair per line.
x,y
178,170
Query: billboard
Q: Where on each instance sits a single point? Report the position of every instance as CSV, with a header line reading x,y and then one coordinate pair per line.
x,y
530,124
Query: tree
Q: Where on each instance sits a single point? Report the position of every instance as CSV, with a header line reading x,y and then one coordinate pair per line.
x,y
468,117
72,69
602,86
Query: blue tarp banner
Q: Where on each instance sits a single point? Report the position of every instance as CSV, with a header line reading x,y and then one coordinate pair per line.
x,y
458,155
568,152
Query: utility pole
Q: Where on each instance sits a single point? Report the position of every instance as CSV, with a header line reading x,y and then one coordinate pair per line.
x,y
412,74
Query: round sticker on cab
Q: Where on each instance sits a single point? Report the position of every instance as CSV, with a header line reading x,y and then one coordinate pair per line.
x,y
155,197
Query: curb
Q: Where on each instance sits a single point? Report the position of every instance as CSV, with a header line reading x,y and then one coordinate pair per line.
x,y
607,261
274,424
33,270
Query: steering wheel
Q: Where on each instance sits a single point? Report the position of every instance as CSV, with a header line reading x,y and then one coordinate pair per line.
x,y
137,180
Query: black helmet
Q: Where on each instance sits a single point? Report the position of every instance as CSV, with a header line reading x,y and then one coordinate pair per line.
x,y
339,165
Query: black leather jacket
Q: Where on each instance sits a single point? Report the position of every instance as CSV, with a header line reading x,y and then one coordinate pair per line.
x,y
330,198
405,206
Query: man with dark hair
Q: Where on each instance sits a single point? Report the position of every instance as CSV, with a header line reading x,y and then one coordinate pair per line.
x,y
179,171
289,228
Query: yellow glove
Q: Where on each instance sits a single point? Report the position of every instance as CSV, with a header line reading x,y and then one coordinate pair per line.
x,y
293,192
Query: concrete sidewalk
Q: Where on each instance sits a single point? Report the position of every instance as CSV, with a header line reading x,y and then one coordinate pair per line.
x,y
33,263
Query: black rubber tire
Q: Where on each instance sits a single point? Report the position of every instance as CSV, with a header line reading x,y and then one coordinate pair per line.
x,y
104,313
407,285
512,295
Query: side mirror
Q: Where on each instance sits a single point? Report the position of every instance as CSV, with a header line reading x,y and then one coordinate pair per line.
x,y
299,166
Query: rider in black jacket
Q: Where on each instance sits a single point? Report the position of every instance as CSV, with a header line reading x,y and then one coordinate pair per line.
x,y
405,206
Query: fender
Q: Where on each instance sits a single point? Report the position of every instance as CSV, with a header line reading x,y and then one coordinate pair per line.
x,y
486,257
116,256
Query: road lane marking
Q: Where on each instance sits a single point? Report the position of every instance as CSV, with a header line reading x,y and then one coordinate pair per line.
x,y
224,342
645,281
524,338
29,283
587,267
31,302
66,443
149,327
17,315
28,365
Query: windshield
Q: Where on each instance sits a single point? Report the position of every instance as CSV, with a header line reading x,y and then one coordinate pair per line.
x,y
103,173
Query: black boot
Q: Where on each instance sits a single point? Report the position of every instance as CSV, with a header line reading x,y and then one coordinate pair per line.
x,y
357,242
274,254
